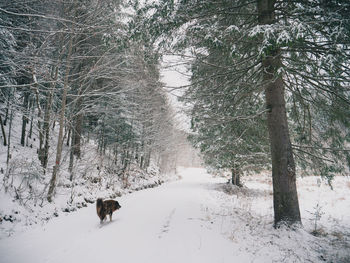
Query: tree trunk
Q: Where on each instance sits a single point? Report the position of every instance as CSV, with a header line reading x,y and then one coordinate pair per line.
x,y
77,132
61,123
41,140
71,163
7,109
285,197
141,161
31,117
116,154
7,174
102,137
3,131
24,117
69,133
236,178
9,140
71,156
46,128
148,159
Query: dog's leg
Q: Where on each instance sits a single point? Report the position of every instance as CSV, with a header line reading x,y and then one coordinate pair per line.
x,y
110,217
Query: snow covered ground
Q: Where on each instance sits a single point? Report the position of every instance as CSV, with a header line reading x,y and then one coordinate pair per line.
x,y
196,219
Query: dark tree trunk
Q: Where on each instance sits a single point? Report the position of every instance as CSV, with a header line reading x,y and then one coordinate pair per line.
x,y
46,129
236,176
7,110
3,131
285,197
31,117
24,117
69,134
71,160
9,139
136,152
77,135
71,156
116,154
101,140
142,161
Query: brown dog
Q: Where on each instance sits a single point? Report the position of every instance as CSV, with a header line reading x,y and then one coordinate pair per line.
x,y
105,208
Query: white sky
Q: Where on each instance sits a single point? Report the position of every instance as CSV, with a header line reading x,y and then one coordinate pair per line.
x,y
174,75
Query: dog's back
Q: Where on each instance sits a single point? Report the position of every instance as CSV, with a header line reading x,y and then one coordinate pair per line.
x,y
110,206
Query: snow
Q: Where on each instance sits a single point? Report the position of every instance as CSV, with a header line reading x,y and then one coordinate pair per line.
x,y
199,218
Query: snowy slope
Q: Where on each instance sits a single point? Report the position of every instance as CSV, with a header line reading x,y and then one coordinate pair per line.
x,y
191,220
24,183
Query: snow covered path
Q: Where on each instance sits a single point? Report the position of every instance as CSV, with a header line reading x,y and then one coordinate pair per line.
x,y
164,224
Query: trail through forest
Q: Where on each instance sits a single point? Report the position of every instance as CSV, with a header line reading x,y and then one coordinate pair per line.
x,y
166,224
190,220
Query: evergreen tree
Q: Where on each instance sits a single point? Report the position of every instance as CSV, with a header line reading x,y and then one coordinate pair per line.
x,y
294,55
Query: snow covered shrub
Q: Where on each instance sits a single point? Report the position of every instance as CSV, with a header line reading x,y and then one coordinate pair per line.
x,y
24,180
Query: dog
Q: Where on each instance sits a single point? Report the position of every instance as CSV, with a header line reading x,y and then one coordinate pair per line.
x,y
105,208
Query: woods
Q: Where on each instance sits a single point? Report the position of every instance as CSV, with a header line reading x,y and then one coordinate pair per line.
x,y
71,72
269,90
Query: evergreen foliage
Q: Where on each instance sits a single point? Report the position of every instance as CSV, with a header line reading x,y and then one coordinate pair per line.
x,y
227,44
245,54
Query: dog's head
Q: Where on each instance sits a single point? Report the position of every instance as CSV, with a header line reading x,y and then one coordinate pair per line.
x,y
116,205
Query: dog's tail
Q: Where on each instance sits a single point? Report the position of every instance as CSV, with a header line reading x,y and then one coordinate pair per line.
x,y
99,203
100,208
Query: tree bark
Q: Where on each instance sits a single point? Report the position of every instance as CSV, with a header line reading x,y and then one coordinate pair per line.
x,y
7,109
285,197
236,178
46,128
3,131
31,118
9,140
41,140
78,124
69,133
24,117
61,123
71,156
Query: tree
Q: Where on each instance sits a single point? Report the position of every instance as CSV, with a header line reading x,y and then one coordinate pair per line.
x,y
73,63
61,120
229,128
285,197
294,54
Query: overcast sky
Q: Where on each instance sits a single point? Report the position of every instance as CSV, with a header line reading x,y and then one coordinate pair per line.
x,y
174,76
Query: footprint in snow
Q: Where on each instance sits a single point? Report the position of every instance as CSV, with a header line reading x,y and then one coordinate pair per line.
x,y
166,225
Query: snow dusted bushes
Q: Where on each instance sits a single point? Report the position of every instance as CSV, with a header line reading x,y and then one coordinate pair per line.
x,y
245,218
24,180
24,201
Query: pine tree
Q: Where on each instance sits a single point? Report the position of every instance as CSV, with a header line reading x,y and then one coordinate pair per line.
x,y
294,55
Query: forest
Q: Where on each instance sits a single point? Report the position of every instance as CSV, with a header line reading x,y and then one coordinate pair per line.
x,y
70,75
85,113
